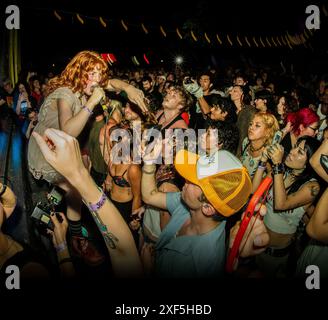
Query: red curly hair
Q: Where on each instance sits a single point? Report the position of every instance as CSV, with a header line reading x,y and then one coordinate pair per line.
x,y
75,75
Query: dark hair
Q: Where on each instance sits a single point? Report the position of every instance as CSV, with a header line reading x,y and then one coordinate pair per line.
x,y
247,98
240,75
311,145
290,103
226,105
206,73
147,120
147,78
228,135
25,84
266,95
97,111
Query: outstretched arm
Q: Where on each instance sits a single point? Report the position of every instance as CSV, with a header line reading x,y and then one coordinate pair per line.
x,y
134,94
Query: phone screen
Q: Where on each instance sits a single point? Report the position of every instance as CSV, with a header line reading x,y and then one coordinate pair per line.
x,y
24,107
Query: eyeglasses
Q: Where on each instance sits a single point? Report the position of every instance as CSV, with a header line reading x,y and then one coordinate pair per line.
x,y
314,129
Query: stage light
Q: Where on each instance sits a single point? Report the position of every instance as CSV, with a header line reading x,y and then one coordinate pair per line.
x,y
178,60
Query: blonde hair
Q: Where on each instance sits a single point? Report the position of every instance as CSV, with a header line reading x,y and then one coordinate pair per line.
x,y
75,75
271,124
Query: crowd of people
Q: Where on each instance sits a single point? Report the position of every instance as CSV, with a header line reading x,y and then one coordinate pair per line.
x,y
165,208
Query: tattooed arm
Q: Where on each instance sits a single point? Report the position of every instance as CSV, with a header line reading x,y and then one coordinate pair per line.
x,y
304,196
118,238
65,157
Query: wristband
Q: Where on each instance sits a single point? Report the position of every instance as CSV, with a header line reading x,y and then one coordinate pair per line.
x,y
88,110
61,247
262,165
278,168
96,206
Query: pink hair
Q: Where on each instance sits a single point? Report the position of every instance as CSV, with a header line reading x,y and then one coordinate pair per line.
x,y
304,116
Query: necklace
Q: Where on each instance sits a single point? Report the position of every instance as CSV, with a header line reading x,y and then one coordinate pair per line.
x,y
251,148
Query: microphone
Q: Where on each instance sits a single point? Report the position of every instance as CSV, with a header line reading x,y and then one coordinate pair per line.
x,y
103,100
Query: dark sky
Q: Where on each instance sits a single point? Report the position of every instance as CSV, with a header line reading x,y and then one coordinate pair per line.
x,y
45,40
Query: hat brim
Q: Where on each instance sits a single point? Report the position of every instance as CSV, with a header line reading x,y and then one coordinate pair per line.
x,y
186,165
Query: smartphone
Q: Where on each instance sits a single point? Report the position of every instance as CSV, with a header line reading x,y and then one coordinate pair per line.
x,y
277,137
24,107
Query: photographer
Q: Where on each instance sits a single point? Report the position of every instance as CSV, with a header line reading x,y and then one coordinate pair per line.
x,y
30,263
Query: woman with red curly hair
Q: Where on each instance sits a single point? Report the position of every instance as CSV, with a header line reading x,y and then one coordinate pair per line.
x,y
304,122
70,100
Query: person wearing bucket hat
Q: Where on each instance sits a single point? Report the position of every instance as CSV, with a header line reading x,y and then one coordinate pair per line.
x,y
192,245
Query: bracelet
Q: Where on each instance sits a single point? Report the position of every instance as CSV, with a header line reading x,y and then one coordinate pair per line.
x,y
262,165
65,260
3,190
278,168
148,172
96,206
88,110
61,247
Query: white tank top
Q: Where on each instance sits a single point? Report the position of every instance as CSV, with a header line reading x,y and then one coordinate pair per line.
x,y
284,222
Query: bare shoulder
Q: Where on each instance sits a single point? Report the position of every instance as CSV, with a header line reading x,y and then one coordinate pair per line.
x,y
314,188
180,124
134,170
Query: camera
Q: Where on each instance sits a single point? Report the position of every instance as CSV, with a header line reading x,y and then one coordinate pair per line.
x,y
42,211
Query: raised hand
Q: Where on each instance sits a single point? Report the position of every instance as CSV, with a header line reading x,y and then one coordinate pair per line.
x,y
61,151
256,237
276,153
137,96
60,229
98,94
193,88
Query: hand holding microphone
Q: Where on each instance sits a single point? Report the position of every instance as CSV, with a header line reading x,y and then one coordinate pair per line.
x,y
98,96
